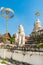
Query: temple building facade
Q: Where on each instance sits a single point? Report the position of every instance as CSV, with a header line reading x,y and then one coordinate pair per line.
x,y
36,34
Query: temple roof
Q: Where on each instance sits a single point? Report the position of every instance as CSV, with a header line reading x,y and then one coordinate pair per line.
x,y
7,35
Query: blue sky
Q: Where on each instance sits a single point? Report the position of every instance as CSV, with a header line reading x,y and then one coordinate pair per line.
x,y
24,13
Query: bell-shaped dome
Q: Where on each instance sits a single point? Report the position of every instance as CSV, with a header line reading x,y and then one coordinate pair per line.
x,y
37,25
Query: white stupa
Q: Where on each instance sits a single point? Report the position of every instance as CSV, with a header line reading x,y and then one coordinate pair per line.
x,y
37,26
20,36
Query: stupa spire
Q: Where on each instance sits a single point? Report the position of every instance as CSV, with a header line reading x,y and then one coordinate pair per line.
x,y
37,25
